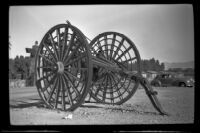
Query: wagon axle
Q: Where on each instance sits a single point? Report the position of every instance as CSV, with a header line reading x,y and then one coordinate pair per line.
x,y
67,68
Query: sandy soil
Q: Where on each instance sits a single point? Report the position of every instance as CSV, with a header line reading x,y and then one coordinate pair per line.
x,y
26,108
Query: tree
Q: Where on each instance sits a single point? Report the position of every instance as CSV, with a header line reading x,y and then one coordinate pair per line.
x,y
152,64
22,65
145,65
12,70
162,67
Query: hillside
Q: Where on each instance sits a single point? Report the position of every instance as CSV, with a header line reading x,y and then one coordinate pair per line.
x,y
189,64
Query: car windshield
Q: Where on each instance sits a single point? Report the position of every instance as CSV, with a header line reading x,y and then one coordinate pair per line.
x,y
164,76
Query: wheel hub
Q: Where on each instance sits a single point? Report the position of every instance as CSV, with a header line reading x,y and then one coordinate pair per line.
x,y
60,67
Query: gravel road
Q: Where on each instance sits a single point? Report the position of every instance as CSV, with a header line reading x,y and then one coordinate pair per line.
x,y
26,108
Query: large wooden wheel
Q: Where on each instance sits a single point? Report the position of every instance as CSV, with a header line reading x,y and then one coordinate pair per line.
x,y
63,67
114,87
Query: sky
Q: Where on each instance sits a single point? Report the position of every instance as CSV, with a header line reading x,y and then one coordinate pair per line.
x,y
164,32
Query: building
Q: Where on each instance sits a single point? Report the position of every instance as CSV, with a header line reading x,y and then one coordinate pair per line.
x,y
150,75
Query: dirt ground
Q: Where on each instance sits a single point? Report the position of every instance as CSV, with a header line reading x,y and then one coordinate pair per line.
x,y
26,108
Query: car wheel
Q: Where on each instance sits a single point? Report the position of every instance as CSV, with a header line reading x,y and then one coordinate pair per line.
x,y
182,84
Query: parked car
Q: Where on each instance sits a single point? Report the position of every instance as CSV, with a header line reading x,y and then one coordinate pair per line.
x,y
168,79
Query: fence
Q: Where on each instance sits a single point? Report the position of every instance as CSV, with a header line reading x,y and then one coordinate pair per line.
x,y
17,83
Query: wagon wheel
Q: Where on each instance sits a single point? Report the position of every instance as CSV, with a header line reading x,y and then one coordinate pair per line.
x,y
113,87
63,67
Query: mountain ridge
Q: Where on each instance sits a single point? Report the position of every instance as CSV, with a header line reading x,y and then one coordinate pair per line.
x,y
188,64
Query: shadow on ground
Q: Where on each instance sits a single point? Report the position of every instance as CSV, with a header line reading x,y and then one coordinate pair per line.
x,y
132,110
125,108
22,104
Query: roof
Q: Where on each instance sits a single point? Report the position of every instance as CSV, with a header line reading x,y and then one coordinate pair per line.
x,y
152,72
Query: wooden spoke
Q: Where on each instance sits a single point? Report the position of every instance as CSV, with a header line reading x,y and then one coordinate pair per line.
x,y
112,45
74,87
123,53
49,83
99,44
105,88
118,48
118,90
58,91
45,58
111,92
116,82
68,93
93,50
106,46
59,43
53,89
52,68
120,95
65,42
69,46
53,46
69,73
103,81
44,77
121,64
66,35
63,92
51,53
97,91
116,76
99,88
126,61
78,69
72,54
102,76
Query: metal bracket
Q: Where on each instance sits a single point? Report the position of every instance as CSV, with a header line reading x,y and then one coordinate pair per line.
x,y
68,22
